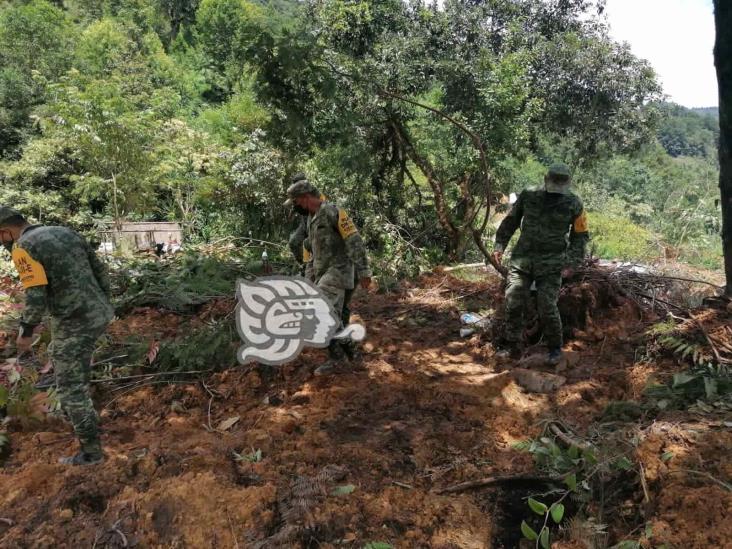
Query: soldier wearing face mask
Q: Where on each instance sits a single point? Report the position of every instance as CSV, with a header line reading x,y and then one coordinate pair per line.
x,y
63,278
553,238
338,258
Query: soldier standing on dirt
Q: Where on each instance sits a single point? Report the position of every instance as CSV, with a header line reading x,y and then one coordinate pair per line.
x,y
542,255
63,276
338,256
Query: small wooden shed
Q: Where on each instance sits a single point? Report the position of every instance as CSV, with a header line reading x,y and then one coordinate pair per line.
x,y
141,235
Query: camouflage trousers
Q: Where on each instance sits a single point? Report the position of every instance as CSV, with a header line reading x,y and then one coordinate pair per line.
x,y
71,353
340,298
548,278
346,315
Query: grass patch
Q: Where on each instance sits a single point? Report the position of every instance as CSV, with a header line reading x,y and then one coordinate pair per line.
x,y
615,237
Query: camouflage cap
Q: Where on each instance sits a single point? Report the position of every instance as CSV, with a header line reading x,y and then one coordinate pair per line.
x,y
558,178
8,213
300,188
299,176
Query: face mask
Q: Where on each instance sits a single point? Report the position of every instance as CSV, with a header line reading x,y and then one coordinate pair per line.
x,y
7,244
299,210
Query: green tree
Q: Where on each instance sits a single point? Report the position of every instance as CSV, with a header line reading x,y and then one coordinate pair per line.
x,y
451,94
226,30
35,38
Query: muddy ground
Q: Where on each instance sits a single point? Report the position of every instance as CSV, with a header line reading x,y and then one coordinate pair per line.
x,y
359,457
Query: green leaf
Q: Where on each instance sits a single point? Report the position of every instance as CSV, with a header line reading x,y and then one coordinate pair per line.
x,y
623,463
683,379
528,532
4,394
573,452
571,481
666,456
710,387
589,457
378,545
343,490
537,507
557,512
544,538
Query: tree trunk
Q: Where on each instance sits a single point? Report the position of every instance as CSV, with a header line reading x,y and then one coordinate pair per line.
x,y
723,62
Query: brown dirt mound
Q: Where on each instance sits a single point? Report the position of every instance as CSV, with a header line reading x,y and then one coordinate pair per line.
x,y
346,459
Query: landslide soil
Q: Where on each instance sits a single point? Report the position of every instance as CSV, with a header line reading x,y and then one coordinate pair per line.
x,y
356,457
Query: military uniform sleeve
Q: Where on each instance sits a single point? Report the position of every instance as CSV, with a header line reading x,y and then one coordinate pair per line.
x,y
307,258
99,268
354,244
35,308
510,224
297,238
34,280
578,237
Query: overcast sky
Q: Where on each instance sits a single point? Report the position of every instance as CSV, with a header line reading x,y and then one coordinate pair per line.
x,y
677,37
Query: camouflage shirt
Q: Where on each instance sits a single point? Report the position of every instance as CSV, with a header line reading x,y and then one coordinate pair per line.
x,y
338,251
546,220
297,239
61,275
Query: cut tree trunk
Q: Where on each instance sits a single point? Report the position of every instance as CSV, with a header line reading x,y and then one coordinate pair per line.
x,y
723,63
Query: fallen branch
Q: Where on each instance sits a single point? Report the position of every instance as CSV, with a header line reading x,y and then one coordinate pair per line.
x,y
233,532
568,439
402,485
715,351
644,483
721,483
492,481
210,401
150,375
463,266
7,521
121,535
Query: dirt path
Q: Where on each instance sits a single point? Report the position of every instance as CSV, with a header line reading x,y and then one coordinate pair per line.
x,y
336,461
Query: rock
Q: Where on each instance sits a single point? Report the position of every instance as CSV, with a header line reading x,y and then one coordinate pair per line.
x,y
46,437
537,382
65,515
273,400
301,397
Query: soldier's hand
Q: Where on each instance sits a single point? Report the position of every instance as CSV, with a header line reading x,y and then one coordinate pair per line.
x,y
23,344
497,256
366,282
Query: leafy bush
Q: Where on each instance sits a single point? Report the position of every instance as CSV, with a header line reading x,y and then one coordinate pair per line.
x,y
615,237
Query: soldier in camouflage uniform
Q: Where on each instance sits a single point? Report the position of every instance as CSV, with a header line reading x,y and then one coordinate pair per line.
x,y
63,277
543,254
338,254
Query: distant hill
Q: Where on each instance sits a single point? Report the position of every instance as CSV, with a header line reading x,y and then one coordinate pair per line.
x,y
707,111
689,132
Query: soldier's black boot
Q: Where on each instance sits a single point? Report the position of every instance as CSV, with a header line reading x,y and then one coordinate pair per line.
x,y
82,458
554,357
89,454
509,350
352,350
335,359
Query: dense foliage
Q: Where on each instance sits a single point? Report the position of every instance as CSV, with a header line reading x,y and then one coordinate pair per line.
x,y
417,118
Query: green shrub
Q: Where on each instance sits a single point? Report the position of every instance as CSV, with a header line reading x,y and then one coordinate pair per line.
x,y
615,237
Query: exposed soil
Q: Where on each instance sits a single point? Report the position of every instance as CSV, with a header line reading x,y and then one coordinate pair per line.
x,y
424,410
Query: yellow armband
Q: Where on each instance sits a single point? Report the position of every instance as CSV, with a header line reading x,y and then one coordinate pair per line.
x,y
30,271
580,224
345,226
